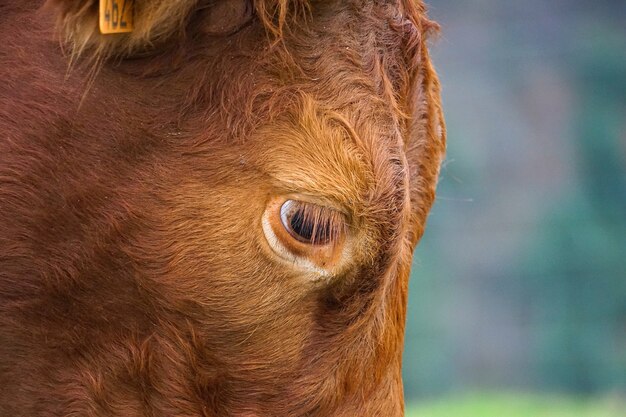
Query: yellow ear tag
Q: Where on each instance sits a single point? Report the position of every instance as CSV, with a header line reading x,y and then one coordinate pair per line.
x,y
116,16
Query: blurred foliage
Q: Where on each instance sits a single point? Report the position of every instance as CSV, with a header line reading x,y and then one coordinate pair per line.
x,y
512,405
520,280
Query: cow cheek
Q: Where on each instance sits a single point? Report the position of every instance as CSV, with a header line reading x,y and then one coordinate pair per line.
x,y
207,251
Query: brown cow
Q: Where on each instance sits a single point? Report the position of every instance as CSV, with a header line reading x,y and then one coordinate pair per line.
x,y
212,215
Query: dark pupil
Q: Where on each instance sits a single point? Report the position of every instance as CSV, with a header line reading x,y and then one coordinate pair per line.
x,y
307,229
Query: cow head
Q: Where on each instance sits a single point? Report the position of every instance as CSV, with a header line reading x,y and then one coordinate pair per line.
x,y
267,168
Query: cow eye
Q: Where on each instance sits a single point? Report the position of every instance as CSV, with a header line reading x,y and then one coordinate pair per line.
x,y
309,223
306,234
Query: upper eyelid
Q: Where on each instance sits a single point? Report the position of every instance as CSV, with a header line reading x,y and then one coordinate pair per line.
x,y
306,196
289,190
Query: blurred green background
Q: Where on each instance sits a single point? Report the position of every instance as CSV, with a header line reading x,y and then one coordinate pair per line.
x,y
518,291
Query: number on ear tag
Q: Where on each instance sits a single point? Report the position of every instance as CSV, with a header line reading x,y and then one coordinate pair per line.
x,y
116,16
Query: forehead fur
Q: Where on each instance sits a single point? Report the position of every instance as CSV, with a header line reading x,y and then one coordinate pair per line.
x,y
155,21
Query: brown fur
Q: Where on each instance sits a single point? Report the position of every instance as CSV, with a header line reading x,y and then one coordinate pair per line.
x,y
134,276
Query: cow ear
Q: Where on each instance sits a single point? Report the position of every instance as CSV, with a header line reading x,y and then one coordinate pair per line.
x,y
153,21
426,140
